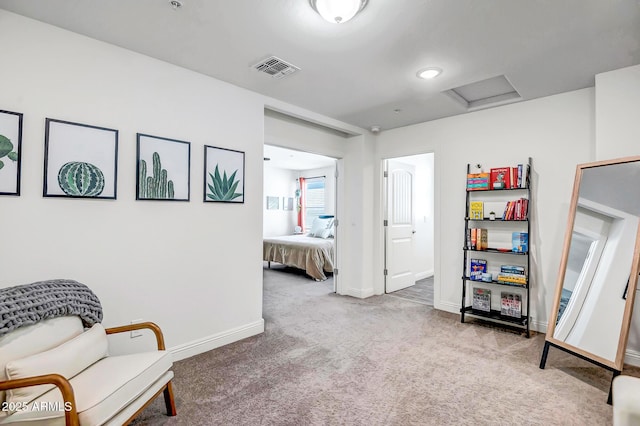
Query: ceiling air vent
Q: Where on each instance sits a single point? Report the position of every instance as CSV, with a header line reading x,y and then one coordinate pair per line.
x,y
275,67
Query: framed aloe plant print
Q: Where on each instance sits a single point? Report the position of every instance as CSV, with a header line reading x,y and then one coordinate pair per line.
x,y
223,175
80,161
163,169
10,147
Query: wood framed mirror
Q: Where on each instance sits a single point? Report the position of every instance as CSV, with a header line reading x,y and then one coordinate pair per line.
x,y
595,291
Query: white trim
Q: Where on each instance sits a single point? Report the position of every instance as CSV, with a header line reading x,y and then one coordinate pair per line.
x,y
454,308
424,274
198,346
360,293
632,357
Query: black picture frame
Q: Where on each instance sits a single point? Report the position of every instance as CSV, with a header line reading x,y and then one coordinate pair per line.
x,y
80,160
223,175
10,152
163,168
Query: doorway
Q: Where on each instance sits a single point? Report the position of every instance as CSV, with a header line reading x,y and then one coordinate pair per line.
x,y
300,189
409,227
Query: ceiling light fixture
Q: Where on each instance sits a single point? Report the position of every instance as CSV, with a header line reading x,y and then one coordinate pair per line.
x,y
176,4
428,73
338,11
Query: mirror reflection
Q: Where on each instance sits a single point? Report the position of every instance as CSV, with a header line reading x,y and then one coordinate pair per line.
x,y
592,301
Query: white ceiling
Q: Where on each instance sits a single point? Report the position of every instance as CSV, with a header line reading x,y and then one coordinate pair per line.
x,y
284,158
361,71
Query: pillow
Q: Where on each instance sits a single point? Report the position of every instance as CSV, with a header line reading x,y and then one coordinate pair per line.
x,y
319,225
68,359
324,233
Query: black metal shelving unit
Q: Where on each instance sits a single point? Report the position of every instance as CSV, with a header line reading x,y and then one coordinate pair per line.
x,y
523,322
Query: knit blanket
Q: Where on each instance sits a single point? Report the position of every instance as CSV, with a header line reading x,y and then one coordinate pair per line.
x,y
29,303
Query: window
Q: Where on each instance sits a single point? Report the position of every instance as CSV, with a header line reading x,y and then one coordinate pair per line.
x,y
314,197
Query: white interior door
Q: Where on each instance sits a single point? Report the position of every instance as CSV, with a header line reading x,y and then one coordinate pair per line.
x,y
400,226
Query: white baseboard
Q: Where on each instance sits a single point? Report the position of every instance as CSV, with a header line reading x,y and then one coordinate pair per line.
x,y
424,274
632,357
360,293
195,347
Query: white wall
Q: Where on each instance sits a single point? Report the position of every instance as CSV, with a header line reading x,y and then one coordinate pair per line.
x,y
556,131
279,183
617,123
193,268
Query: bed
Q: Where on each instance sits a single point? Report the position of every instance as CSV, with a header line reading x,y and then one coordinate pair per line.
x,y
312,254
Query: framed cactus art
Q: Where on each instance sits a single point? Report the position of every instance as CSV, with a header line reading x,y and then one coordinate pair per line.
x,y
80,161
223,175
163,169
10,146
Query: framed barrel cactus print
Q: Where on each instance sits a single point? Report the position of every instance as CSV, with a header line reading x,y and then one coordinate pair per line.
x,y
80,161
223,175
163,169
10,147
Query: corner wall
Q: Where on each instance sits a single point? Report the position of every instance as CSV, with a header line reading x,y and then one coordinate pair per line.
x,y
556,131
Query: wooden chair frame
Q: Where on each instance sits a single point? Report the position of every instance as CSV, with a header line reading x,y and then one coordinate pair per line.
x,y
71,416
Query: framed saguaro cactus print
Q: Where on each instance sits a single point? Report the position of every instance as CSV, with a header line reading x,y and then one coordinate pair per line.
x,y
163,169
80,161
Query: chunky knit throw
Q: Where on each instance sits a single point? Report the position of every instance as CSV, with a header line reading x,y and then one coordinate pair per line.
x,y
29,303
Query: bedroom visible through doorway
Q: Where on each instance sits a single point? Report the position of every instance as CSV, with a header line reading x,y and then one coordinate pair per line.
x,y
409,227
299,214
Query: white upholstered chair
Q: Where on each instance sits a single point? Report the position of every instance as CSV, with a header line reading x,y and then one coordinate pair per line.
x,y
58,372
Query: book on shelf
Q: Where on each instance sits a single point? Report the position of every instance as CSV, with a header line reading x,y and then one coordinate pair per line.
x,y
481,299
482,236
510,305
478,239
512,269
477,181
520,242
477,268
516,209
509,278
503,177
476,210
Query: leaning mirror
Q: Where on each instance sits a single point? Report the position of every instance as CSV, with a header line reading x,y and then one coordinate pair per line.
x,y
591,313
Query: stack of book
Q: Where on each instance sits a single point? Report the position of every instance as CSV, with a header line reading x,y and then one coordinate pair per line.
x,y
516,210
477,181
477,239
510,305
512,274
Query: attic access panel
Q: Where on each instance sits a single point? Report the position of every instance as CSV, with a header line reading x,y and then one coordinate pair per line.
x,y
493,91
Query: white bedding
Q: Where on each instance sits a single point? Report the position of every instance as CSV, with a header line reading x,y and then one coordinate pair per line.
x,y
313,255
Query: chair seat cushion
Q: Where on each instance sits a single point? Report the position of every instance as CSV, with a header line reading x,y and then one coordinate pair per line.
x,y
110,384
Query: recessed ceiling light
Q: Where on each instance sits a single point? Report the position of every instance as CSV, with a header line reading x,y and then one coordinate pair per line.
x,y
176,4
428,73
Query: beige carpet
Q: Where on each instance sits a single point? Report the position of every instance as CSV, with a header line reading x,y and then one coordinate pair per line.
x,y
332,360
